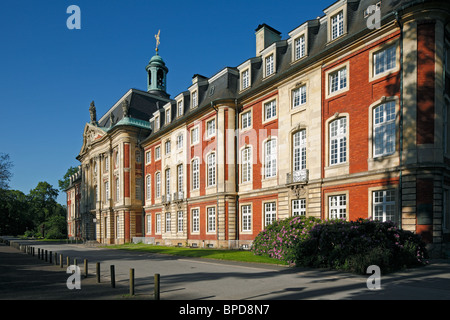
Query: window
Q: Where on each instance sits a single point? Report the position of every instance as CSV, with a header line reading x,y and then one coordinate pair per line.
x,y
338,207
168,220
157,124
180,221
299,207
148,184
148,157
168,116
195,220
384,129
194,135
138,188
158,184
149,223
211,169
180,108
384,60
180,141
245,79
117,189
211,127
246,120
384,205
337,25
338,80
338,141
195,174
299,150
269,64
167,147
194,99
270,110
106,163
271,158
270,213
299,96
158,223
246,217
157,153
211,219
180,177
246,155
107,190
300,47
167,182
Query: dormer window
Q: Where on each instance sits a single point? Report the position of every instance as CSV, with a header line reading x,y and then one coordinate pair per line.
x,y
269,65
180,108
245,78
194,100
337,25
300,47
168,116
157,123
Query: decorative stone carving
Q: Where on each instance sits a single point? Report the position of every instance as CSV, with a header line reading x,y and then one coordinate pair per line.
x,y
93,113
125,108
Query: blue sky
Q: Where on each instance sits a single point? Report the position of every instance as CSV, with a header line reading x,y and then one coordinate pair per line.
x,y
50,74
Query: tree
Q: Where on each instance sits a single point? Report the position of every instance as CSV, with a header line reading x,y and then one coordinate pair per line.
x,y
14,213
5,170
65,182
42,204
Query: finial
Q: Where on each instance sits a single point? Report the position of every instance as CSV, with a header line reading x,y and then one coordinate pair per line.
x,y
157,40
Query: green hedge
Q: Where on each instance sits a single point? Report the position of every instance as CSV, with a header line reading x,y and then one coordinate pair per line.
x,y
342,245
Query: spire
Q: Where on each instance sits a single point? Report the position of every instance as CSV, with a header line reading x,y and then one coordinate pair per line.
x,y
157,72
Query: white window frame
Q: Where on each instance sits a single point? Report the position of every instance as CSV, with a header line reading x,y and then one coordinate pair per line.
x,y
195,135
270,158
337,80
180,221
194,97
299,96
246,120
246,213
195,220
149,223
180,108
337,206
180,141
148,157
338,142
158,153
106,190
158,184
167,181
245,76
270,212
270,110
167,147
168,223
299,207
211,167
337,25
269,65
384,129
180,177
158,223
168,115
384,200
299,155
211,128
385,60
211,216
247,159
300,47
195,174
117,181
148,187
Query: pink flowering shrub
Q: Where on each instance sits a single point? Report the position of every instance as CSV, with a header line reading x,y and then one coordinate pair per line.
x,y
280,238
342,245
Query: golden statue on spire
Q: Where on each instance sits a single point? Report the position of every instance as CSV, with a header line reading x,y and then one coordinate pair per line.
x,y
157,40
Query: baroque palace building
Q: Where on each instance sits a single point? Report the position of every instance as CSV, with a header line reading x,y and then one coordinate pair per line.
x,y
346,118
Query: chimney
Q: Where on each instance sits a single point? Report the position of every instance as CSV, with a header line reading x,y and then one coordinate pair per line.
x,y
265,36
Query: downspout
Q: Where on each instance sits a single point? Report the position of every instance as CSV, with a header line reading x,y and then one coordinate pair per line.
x,y
236,166
400,206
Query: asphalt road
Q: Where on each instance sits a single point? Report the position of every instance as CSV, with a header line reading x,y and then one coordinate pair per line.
x,y
23,276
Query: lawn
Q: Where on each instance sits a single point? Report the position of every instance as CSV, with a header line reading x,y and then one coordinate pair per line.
x,y
219,254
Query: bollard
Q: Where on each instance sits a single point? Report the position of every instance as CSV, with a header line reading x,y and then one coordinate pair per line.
x,y
75,261
50,257
113,276
157,288
61,260
68,261
46,255
39,253
131,282
97,271
85,268
56,258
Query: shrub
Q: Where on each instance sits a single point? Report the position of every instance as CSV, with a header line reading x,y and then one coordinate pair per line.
x,y
355,245
279,239
342,245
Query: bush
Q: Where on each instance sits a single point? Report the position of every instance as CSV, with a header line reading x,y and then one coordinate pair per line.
x,y
342,245
279,239
355,245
